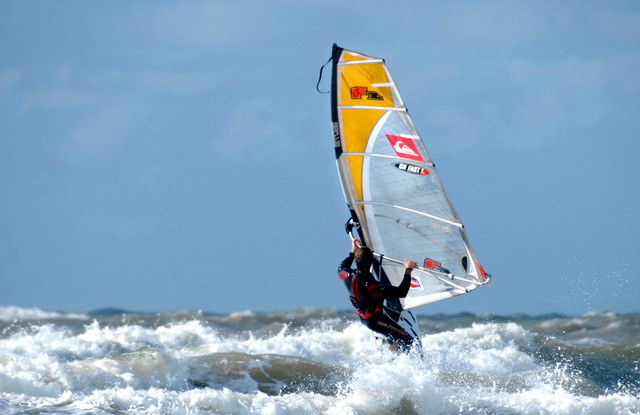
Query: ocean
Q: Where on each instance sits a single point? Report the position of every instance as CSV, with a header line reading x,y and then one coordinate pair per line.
x,y
314,361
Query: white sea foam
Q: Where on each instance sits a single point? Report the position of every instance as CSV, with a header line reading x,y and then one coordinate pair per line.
x,y
486,368
17,313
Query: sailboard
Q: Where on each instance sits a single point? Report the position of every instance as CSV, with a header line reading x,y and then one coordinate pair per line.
x,y
392,188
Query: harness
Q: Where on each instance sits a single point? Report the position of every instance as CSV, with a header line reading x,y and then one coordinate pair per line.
x,y
365,297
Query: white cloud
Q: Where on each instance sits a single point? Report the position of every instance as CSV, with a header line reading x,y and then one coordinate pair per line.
x,y
458,131
64,73
255,133
60,95
98,135
561,96
166,82
572,74
8,80
55,99
543,117
621,73
487,24
213,24
419,78
176,83
622,27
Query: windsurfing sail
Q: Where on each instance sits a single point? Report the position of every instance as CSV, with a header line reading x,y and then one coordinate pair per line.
x,y
392,187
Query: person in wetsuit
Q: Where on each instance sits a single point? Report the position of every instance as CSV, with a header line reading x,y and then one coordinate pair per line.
x,y
367,295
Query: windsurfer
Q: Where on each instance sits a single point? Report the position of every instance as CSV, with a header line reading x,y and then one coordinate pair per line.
x,y
367,295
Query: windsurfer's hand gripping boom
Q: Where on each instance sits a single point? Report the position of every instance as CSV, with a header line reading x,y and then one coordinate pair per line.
x,y
408,264
351,224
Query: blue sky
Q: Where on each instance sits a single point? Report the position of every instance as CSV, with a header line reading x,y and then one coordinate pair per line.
x,y
163,156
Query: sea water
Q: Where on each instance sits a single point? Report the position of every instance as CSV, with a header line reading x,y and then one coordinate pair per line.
x,y
314,362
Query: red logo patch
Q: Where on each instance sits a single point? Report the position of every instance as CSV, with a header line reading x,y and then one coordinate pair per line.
x,y
415,283
404,147
357,92
435,265
431,264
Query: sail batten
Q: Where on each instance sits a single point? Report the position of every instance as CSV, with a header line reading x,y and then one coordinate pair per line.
x,y
392,186
363,107
361,62
369,202
425,163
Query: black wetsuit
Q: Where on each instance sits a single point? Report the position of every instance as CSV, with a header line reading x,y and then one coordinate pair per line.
x,y
367,296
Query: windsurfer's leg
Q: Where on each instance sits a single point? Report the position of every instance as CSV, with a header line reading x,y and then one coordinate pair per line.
x,y
395,335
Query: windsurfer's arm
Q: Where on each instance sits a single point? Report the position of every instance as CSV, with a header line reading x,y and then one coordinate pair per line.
x,y
346,263
355,244
401,290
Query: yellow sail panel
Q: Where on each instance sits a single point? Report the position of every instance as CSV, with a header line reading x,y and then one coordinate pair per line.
x,y
357,86
357,125
352,56
355,166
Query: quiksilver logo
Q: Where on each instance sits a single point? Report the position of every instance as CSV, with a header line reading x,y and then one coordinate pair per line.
x,y
401,147
404,147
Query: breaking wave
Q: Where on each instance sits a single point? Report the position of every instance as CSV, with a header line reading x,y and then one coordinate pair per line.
x,y
314,361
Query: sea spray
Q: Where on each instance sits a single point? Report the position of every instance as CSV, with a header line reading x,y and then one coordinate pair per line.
x,y
314,361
